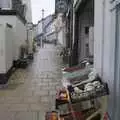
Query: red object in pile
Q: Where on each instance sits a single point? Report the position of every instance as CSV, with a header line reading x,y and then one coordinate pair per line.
x,y
51,116
72,69
78,115
62,94
106,116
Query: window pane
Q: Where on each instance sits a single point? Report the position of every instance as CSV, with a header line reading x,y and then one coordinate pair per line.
x,y
5,3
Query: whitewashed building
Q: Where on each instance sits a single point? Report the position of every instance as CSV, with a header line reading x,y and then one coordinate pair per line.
x,y
50,31
60,27
14,16
83,30
105,25
107,50
35,31
43,27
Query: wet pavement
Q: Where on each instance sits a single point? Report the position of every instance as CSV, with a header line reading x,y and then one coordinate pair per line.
x,y
31,92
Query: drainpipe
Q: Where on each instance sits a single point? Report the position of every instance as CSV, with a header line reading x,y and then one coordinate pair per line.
x,y
103,35
73,28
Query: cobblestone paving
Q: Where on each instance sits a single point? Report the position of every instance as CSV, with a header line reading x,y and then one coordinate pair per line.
x,y
31,92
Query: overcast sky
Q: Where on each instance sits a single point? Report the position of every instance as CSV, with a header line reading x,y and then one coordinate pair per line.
x,y
38,5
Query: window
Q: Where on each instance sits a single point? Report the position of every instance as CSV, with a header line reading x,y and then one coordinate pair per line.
x,y
5,3
87,49
86,30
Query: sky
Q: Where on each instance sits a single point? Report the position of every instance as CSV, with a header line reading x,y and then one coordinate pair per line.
x,y
38,5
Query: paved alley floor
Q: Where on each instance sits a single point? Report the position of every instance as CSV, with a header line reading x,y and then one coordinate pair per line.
x,y
31,92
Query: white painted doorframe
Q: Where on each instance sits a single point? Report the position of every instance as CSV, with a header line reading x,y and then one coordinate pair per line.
x,y
115,11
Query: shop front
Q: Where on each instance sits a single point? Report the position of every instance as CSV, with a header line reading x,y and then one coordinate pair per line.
x,y
83,40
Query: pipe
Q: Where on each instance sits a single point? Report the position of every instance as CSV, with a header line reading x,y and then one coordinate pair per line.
x,y
103,36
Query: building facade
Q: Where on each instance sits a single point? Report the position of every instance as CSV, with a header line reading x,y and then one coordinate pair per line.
x,y
107,47
34,31
13,13
83,30
95,34
41,27
60,29
50,31
69,30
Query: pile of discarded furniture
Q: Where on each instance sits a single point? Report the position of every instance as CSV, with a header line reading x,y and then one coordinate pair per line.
x,y
83,96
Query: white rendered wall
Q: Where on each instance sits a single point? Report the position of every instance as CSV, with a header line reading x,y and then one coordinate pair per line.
x,y
2,49
19,33
102,36
61,37
20,36
8,48
104,46
39,28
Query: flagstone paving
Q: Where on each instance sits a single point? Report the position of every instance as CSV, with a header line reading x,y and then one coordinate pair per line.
x,y
31,92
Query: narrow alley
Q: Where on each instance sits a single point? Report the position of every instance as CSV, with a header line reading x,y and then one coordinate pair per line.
x,y
31,92
59,59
